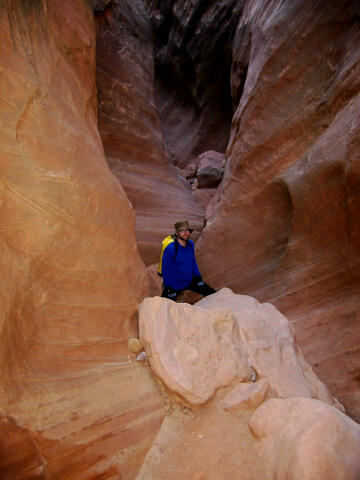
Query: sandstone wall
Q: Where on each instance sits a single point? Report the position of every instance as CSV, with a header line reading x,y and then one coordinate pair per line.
x,y
193,43
72,405
130,128
286,227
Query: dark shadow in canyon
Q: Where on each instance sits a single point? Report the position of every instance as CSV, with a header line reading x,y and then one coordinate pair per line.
x,y
193,57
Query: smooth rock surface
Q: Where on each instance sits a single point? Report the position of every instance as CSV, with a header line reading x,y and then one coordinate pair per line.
x,y
130,128
284,225
301,438
72,404
188,446
298,438
204,196
191,350
197,349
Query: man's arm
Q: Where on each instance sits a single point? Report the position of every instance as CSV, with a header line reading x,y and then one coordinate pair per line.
x,y
196,271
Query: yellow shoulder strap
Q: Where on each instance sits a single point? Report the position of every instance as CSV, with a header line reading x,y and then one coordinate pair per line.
x,y
167,240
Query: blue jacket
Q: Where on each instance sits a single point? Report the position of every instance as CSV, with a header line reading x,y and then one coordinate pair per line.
x,y
178,271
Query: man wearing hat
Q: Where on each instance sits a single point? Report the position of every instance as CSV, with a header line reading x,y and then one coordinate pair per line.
x,y
179,268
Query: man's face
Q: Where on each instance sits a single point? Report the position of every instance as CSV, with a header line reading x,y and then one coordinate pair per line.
x,y
184,234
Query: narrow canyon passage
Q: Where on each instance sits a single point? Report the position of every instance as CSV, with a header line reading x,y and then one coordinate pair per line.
x,y
282,83
119,118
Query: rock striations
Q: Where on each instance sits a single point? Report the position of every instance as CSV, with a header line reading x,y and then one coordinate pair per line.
x,y
193,45
130,128
72,404
243,398
78,400
285,226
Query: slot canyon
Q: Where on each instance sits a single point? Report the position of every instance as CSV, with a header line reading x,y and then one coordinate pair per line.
x,y
120,118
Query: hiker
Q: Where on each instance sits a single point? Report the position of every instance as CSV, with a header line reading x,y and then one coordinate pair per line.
x,y
178,265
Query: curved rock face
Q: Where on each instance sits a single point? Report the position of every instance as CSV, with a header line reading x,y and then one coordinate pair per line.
x,y
286,227
130,128
193,43
72,405
301,438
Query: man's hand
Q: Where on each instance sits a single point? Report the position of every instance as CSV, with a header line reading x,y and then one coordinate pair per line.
x,y
199,281
169,292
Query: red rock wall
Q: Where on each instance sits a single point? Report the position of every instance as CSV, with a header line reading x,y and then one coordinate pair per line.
x,y
286,228
72,405
130,128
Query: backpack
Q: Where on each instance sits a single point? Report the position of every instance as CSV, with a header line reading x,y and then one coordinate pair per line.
x,y
167,240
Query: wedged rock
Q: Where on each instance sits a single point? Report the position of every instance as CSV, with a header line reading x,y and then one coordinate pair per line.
x,y
212,159
239,431
197,349
209,177
298,439
192,350
302,438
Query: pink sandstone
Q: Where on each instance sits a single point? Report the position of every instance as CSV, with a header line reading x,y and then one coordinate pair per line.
x,y
131,131
284,225
241,430
197,349
301,438
72,404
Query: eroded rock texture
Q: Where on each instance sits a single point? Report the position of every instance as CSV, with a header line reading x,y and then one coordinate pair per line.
x,y
225,337
193,42
130,128
286,228
72,405
278,422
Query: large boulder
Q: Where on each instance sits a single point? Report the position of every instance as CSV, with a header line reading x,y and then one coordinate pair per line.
x,y
240,396
211,169
222,338
284,226
71,401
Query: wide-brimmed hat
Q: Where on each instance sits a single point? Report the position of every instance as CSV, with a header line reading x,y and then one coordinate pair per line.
x,y
183,226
